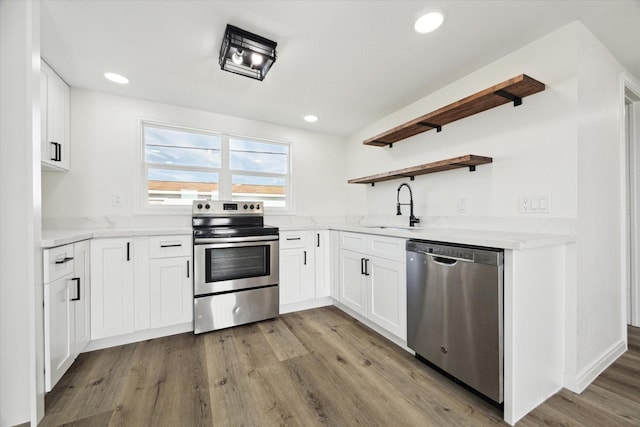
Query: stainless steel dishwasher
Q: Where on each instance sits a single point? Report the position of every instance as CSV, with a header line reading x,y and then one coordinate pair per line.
x,y
455,312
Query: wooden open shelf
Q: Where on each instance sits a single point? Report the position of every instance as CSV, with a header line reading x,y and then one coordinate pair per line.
x,y
470,161
512,90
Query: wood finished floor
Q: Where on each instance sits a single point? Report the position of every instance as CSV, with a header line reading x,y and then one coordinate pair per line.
x,y
304,369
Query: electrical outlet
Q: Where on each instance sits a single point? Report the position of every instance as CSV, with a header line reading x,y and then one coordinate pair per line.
x,y
534,204
462,205
116,199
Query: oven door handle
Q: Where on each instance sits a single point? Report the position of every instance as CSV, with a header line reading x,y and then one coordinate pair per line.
x,y
208,241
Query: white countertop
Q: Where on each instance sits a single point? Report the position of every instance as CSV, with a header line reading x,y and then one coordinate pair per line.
x,y
52,238
489,238
495,239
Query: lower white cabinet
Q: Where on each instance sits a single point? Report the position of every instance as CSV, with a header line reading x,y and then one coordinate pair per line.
x,y
170,282
297,273
66,307
112,287
322,252
373,279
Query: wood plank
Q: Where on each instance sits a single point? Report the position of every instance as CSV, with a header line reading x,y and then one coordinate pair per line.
x,y
347,374
438,166
520,86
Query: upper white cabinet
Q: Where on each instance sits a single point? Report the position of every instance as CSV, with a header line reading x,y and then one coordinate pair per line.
x,y
55,113
66,307
373,279
112,287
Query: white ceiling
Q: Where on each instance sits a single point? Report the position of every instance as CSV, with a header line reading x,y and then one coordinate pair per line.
x,y
348,62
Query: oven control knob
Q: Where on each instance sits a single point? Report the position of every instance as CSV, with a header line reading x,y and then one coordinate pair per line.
x,y
246,206
207,206
199,205
251,206
258,207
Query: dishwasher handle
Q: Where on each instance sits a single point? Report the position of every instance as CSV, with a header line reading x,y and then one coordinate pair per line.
x,y
446,260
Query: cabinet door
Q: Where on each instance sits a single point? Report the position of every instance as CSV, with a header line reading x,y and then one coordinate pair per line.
x,y
387,305
297,276
171,291
353,291
81,293
112,291
58,330
322,261
55,154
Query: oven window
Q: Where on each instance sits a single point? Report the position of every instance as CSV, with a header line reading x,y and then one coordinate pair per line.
x,y
236,263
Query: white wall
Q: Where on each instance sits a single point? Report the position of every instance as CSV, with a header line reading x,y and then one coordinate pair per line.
x,y
21,289
105,137
533,145
564,142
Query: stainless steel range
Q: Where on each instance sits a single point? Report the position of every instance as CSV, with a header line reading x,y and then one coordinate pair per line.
x,y
235,262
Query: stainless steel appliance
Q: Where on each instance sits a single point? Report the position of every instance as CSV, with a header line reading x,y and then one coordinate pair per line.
x,y
455,312
235,262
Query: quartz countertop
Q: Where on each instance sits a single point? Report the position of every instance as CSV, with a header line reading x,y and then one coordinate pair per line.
x,y
52,238
496,239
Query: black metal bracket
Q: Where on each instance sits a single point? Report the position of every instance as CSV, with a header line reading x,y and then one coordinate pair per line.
x,y
438,128
472,168
373,184
390,145
516,99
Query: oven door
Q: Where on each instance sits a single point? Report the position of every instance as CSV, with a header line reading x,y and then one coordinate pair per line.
x,y
228,264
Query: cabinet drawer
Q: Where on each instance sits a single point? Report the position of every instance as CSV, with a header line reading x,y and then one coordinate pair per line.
x,y
58,262
353,241
296,239
387,247
169,246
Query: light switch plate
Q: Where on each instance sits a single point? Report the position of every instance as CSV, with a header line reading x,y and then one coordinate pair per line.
x,y
534,204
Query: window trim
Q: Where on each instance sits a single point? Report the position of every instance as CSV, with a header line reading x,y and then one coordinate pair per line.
x,y
141,205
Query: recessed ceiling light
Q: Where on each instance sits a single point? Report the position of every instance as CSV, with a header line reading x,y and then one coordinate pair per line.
x,y
116,78
429,22
311,118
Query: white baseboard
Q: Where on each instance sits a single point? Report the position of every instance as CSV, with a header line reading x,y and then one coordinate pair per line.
x,y
138,336
580,381
306,305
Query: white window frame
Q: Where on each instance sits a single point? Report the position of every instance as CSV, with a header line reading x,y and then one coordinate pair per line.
x,y
225,174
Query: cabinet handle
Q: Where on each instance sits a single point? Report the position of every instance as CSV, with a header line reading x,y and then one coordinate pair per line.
x,y
128,251
293,238
54,157
77,280
318,234
171,245
59,155
366,266
64,260
305,257
361,265
188,268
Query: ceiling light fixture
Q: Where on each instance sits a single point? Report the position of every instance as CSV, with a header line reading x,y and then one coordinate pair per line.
x,y
247,54
429,22
116,78
311,118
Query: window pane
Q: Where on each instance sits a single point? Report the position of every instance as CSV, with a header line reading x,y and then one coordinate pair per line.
x,y
180,187
168,146
271,191
256,156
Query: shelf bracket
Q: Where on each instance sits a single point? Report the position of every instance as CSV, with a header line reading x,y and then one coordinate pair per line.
x,y
438,128
472,168
516,99
390,145
373,184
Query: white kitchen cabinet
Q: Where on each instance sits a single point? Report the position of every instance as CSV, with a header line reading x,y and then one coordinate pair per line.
x,y
54,120
170,282
58,329
66,307
297,272
112,287
373,279
82,304
322,260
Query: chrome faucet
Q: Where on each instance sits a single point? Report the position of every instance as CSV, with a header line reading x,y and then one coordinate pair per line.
x,y
412,218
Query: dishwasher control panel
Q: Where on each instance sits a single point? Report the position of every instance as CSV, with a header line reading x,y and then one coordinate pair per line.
x,y
480,255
